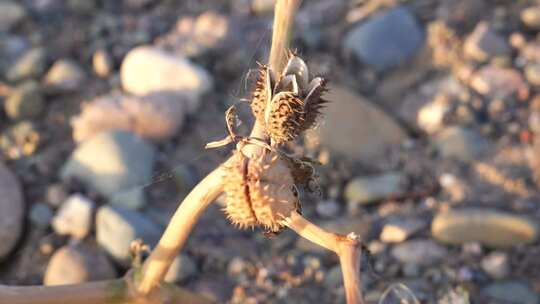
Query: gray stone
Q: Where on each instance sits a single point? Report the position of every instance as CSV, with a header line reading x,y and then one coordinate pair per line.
x,y
82,6
327,208
353,127
496,264
364,190
11,13
56,194
489,227
40,215
531,17
111,162
431,116
511,292
11,46
117,227
146,70
419,252
78,264
333,277
12,210
74,218
30,64
484,43
65,75
25,101
399,230
386,40
131,198
460,143
182,268
137,4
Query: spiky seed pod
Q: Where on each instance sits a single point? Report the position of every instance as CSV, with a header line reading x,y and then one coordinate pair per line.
x,y
259,191
314,103
292,104
284,117
262,93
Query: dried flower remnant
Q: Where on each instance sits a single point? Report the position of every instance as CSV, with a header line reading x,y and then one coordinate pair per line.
x,y
260,191
290,105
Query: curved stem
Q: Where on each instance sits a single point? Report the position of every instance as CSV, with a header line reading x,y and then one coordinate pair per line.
x,y
346,247
186,216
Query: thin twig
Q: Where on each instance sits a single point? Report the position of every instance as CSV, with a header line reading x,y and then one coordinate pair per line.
x,y
346,247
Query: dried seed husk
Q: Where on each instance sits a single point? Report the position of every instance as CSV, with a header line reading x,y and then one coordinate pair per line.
x,y
284,117
259,191
262,93
314,103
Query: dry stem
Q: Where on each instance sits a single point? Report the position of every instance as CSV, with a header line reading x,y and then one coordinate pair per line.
x,y
346,247
186,216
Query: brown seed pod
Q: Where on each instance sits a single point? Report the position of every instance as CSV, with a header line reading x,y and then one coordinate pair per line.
x,y
262,93
292,104
284,117
259,191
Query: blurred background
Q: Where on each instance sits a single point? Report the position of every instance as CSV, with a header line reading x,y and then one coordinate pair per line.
x,y
428,147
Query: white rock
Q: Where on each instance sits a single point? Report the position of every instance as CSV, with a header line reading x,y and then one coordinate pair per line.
x,y
146,70
156,117
398,231
496,264
74,217
65,75
78,264
431,116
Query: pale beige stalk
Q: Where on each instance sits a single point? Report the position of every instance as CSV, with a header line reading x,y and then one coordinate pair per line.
x,y
346,247
186,216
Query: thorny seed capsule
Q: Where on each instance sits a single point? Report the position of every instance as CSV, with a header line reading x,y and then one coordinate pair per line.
x,y
259,191
292,104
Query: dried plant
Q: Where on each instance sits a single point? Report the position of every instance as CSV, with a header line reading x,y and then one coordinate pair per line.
x,y
260,182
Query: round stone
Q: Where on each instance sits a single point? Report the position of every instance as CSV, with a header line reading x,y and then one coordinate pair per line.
x,y
489,227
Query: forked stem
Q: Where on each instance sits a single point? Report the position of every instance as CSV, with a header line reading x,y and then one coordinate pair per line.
x,y
346,247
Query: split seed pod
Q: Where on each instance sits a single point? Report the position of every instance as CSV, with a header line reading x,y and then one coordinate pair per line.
x,y
290,105
259,191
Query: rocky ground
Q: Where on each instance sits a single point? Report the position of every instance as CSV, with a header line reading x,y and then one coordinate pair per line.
x,y
429,149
